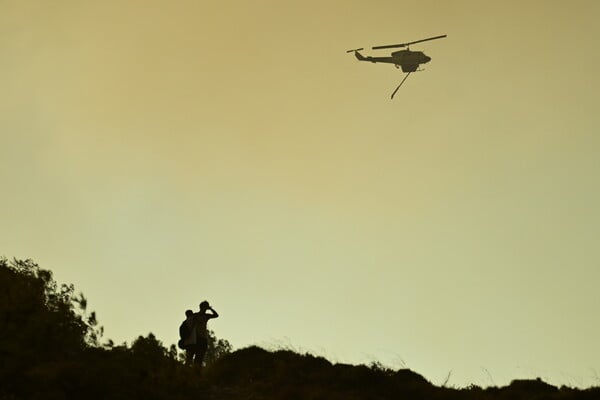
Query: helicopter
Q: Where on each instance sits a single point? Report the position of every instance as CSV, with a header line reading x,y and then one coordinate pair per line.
x,y
408,60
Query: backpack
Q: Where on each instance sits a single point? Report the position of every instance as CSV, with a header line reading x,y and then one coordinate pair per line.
x,y
184,333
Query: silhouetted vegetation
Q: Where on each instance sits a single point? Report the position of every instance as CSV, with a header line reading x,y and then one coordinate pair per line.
x,y
50,347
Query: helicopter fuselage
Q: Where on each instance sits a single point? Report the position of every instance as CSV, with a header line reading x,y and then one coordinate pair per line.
x,y
408,60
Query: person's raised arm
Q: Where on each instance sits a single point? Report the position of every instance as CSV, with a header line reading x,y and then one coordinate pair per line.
x,y
214,313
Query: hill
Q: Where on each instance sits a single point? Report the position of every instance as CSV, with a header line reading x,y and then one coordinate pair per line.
x,y
50,348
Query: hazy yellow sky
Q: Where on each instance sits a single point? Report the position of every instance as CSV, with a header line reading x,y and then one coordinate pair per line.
x,y
159,153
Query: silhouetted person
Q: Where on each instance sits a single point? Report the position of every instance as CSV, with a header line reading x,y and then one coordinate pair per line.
x,y
186,330
197,342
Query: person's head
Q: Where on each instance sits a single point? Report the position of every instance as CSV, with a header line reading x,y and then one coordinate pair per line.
x,y
204,306
189,313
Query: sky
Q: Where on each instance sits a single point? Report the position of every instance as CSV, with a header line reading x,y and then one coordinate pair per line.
x,y
160,153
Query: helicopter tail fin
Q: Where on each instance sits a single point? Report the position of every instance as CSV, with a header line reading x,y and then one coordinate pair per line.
x,y
359,56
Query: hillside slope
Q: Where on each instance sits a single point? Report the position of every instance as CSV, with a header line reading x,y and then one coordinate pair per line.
x,y
50,348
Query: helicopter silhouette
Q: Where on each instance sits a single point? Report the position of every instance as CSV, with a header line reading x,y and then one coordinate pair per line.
x,y
408,60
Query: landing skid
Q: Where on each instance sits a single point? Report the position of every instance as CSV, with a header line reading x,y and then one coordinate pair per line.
x,y
418,70
400,84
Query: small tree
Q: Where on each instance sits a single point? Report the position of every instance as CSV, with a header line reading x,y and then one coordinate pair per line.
x,y
40,315
217,348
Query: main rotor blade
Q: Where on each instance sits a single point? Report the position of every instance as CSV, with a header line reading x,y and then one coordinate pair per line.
x,y
390,46
425,40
